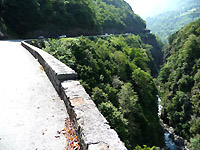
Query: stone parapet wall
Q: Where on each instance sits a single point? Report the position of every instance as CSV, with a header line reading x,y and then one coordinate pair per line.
x,y
91,127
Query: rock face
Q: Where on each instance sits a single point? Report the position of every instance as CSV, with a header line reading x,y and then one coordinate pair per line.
x,y
91,127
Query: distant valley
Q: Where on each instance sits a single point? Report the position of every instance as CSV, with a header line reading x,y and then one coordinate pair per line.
x,y
169,22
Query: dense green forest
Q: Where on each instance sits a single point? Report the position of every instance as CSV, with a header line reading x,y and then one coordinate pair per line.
x,y
50,18
180,83
115,71
118,71
169,22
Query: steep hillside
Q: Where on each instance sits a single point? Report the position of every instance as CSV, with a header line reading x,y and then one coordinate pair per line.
x,y
180,83
117,16
156,52
31,18
169,22
116,73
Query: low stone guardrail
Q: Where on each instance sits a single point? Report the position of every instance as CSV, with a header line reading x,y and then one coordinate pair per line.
x,y
92,129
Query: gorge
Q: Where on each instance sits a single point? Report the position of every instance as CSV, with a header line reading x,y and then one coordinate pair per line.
x,y
119,69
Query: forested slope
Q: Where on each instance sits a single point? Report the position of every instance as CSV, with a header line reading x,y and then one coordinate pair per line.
x,y
31,18
180,83
117,16
116,73
51,18
169,22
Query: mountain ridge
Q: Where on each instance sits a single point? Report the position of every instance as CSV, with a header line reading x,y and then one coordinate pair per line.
x,y
167,23
51,18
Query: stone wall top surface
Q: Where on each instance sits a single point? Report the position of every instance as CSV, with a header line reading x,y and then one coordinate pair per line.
x,y
62,71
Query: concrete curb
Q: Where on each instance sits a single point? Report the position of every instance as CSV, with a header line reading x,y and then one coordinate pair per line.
x,y
91,127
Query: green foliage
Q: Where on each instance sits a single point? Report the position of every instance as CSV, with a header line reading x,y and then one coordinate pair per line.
x,y
163,75
115,72
112,95
99,96
127,99
116,120
180,82
195,125
153,44
114,19
169,22
73,17
21,16
132,111
146,88
145,148
195,142
179,110
58,50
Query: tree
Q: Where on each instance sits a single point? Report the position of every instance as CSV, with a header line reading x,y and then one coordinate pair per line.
x,y
98,96
120,62
180,82
21,16
46,10
127,99
195,142
145,88
123,92
116,120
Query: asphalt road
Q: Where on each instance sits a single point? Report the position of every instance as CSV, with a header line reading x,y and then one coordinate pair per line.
x,y
31,113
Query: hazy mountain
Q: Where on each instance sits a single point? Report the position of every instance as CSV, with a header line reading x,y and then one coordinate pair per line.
x,y
182,13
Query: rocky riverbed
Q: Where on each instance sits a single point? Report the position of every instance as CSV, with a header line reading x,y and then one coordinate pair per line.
x,y
173,141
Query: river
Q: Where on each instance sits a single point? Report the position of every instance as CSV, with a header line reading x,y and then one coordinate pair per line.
x,y
170,145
